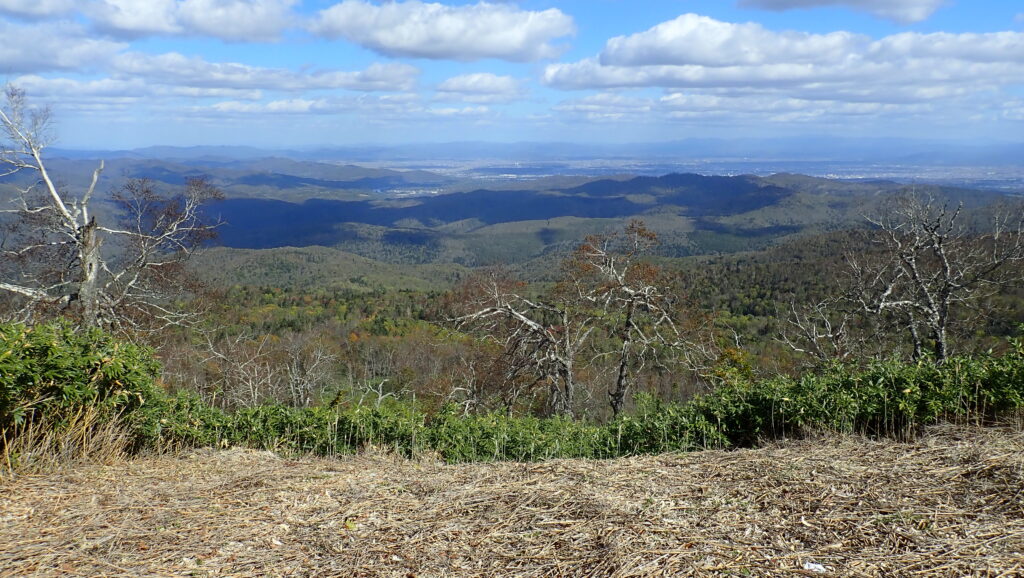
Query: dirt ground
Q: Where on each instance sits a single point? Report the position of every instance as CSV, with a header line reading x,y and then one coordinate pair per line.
x,y
949,504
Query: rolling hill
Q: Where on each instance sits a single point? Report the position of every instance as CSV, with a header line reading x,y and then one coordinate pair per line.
x,y
694,214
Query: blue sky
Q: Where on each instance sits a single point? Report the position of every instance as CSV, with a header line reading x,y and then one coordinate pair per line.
x,y
272,73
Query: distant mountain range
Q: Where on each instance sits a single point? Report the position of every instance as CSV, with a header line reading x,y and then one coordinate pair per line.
x,y
277,178
825,148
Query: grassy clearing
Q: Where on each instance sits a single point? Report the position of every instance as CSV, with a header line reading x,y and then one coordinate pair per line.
x,y
948,503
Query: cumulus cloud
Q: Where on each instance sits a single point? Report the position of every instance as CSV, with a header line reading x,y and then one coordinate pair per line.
x,y
982,48
466,111
438,31
481,87
131,18
288,106
771,108
176,69
54,46
405,108
903,11
390,106
607,107
699,40
233,20
249,20
1013,110
391,76
900,68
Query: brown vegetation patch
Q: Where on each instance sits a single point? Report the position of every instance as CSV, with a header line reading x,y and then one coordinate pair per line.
x,y
951,503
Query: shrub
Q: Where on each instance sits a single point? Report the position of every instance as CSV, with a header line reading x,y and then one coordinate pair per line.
x,y
54,370
64,392
51,376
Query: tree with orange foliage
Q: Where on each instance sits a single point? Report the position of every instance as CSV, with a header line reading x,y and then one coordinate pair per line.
x,y
606,291
636,303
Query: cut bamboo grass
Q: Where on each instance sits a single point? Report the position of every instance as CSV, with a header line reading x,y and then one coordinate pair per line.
x,y
950,503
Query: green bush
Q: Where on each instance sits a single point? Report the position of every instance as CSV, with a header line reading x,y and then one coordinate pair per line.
x,y
887,398
179,421
56,371
51,373
498,436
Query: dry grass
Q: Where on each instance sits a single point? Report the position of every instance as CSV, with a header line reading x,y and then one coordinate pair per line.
x,y
949,504
83,438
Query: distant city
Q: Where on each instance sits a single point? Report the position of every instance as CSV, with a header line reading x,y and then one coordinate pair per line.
x,y
996,167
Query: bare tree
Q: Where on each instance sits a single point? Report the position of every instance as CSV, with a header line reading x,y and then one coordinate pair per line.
x,y
636,304
541,341
609,305
309,368
934,264
244,370
821,330
58,256
924,270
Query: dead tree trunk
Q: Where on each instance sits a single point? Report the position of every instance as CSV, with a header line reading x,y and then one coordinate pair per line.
x,y
88,286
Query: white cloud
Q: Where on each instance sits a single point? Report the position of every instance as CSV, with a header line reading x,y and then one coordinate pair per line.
x,y
982,48
177,69
903,11
71,91
52,46
133,18
381,107
1013,110
481,87
233,20
771,108
467,111
607,107
747,58
438,31
698,107
699,40
391,76
405,107
289,106
248,20
36,8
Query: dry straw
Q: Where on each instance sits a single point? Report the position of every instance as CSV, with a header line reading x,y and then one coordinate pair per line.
x,y
83,437
949,504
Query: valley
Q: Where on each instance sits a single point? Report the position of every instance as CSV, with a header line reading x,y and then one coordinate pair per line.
x,y
512,288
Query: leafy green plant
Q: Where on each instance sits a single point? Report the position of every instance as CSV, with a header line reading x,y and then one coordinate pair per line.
x,y
70,390
55,370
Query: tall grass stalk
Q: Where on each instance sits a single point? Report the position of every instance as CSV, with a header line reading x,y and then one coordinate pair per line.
x,y
43,445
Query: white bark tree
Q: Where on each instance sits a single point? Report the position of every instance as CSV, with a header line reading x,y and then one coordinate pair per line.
x,y
823,331
541,341
933,265
58,257
922,271
635,303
